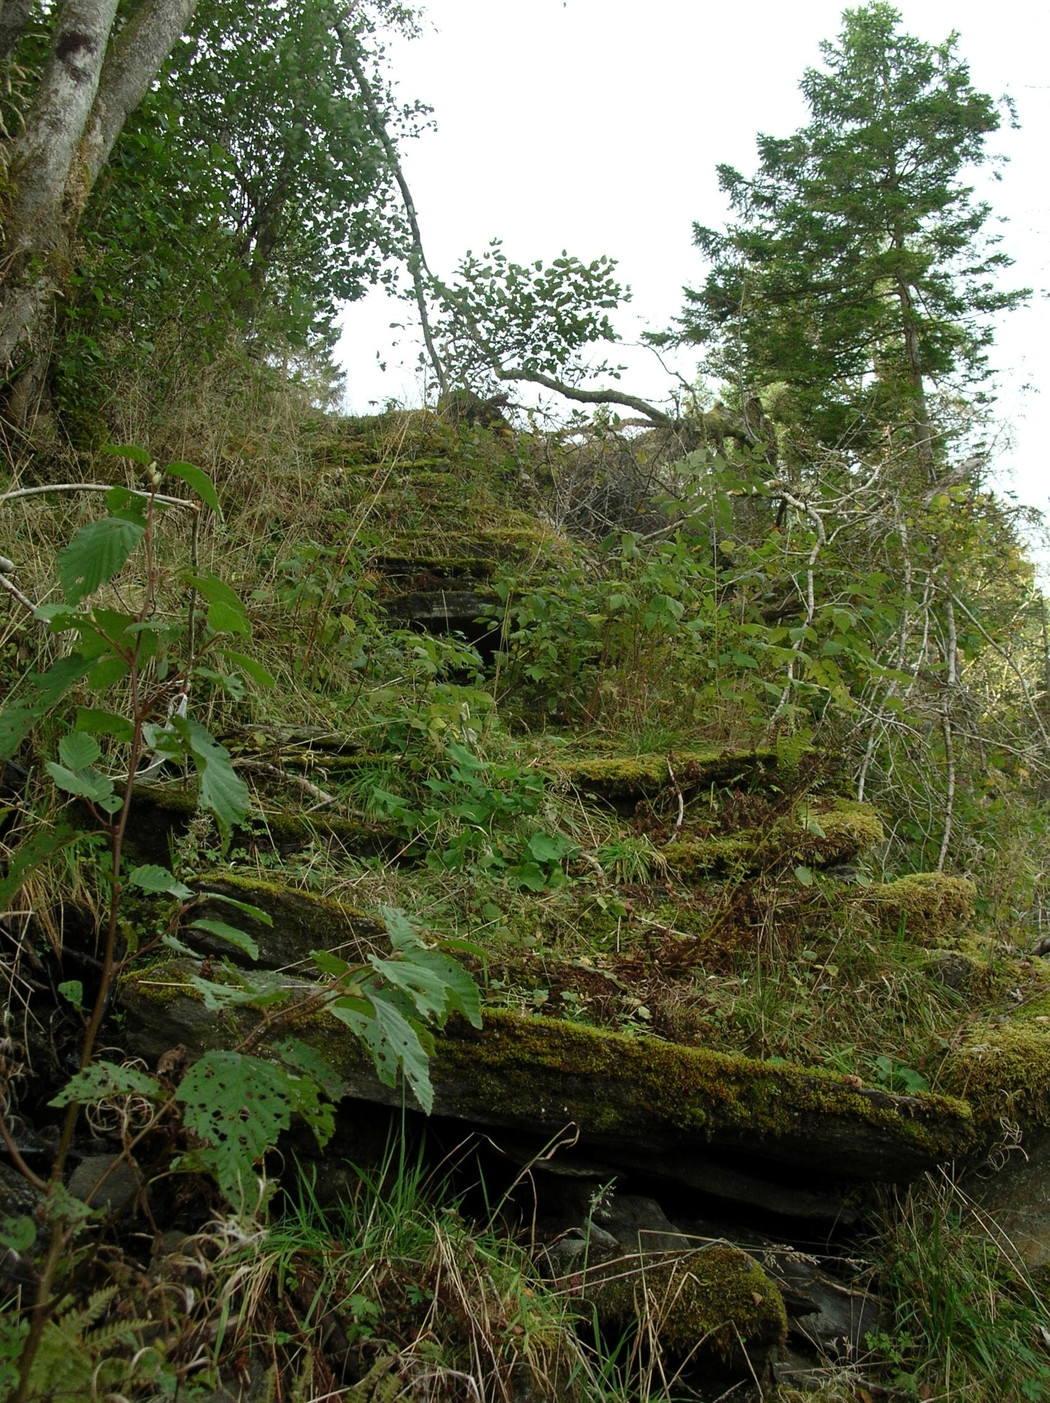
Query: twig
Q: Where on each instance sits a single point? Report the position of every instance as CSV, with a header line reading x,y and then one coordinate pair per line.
x,y
13,589
263,767
96,487
681,803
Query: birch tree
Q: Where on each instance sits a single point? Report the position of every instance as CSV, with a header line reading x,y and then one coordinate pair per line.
x,y
97,68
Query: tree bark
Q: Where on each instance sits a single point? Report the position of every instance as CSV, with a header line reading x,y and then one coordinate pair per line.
x,y
92,80
14,15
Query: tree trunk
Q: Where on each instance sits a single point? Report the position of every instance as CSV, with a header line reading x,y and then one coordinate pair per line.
x,y
91,81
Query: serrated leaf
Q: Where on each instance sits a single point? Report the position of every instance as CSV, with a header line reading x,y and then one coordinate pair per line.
x,y
547,847
402,933
215,591
199,481
72,990
152,878
225,618
424,987
461,991
239,1105
95,555
105,673
330,965
84,784
392,1042
222,791
78,750
294,1053
106,1079
17,1234
104,723
239,939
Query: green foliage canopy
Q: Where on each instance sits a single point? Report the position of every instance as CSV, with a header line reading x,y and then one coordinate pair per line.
x,y
860,268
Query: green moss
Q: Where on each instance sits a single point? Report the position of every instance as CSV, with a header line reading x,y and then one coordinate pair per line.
x,y
702,857
641,776
299,921
822,834
717,1298
834,834
1004,1073
926,904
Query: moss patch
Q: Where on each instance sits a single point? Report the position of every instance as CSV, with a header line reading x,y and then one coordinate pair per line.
x,y
1004,1074
301,921
717,1301
641,776
926,904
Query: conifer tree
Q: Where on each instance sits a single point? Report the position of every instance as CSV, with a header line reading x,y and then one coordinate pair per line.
x,y
860,273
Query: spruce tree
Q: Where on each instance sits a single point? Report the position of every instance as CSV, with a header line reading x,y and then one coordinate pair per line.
x,y
860,272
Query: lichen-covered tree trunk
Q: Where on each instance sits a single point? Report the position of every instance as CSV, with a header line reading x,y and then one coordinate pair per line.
x,y
94,76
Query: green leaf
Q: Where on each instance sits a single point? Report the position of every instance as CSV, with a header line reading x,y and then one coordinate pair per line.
x,y
95,555
239,1105
129,450
17,1234
84,784
804,875
224,618
73,991
548,847
462,994
403,935
255,670
294,1053
78,750
104,723
152,878
239,939
107,672
222,791
529,875
424,987
28,857
393,1042
199,481
107,1079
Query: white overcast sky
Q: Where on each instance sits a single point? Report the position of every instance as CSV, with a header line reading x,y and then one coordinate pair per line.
x,y
596,125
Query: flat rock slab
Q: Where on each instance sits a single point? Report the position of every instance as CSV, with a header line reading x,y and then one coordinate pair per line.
x,y
645,1104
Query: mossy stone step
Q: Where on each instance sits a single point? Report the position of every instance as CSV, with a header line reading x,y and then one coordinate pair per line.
x,y
646,1105
634,777
160,809
826,833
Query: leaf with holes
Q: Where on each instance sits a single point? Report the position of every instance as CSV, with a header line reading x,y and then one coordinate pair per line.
x,y
106,1079
238,1105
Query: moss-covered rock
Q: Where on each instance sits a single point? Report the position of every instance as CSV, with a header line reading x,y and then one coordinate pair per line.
x,y
834,831
715,1307
159,809
633,777
931,907
651,1105
1003,1071
299,921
